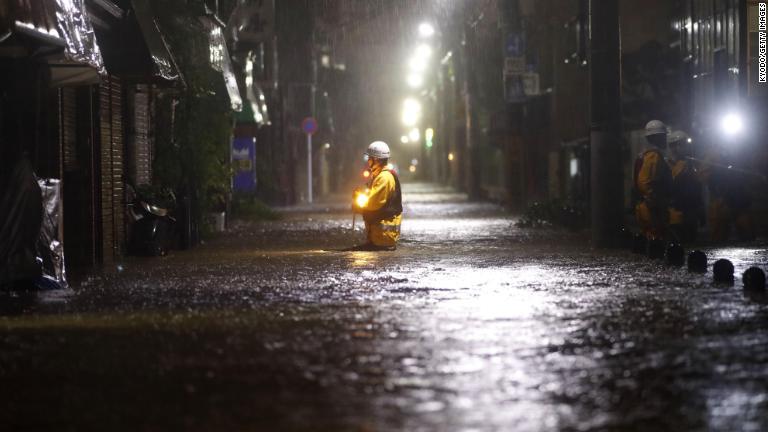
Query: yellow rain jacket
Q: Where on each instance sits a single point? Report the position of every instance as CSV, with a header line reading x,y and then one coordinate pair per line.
x,y
383,211
686,201
653,181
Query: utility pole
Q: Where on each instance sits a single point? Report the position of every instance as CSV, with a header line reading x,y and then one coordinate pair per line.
x,y
606,181
471,153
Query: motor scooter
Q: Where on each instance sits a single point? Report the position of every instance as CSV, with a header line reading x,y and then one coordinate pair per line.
x,y
151,228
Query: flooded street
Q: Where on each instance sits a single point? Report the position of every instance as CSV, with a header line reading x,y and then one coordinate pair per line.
x,y
472,324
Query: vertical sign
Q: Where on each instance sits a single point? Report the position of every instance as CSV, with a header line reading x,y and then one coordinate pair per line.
x,y
244,164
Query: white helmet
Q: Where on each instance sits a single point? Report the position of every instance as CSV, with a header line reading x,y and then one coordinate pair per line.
x,y
655,127
378,150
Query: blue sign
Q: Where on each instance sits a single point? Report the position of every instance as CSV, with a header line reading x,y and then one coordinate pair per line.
x,y
514,46
309,125
244,164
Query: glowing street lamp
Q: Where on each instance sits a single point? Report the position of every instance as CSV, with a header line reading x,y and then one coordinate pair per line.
x,y
415,80
417,64
411,112
414,135
426,30
423,51
732,124
404,139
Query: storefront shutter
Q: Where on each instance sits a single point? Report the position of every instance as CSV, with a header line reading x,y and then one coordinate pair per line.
x,y
111,154
68,130
142,155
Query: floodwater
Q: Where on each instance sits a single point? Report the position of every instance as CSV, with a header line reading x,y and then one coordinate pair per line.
x,y
471,325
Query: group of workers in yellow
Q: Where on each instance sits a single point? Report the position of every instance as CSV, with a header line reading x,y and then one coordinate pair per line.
x,y
670,191
380,202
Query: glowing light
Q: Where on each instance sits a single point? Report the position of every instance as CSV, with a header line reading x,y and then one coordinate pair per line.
x,y
327,145
404,139
366,173
412,168
424,51
428,135
426,30
414,161
411,112
414,134
361,200
574,167
450,156
414,80
732,124
418,64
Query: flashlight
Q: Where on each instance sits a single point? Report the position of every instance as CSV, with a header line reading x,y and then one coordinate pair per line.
x,y
361,200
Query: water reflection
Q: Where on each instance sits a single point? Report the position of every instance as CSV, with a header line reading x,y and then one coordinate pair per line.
x,y
362,259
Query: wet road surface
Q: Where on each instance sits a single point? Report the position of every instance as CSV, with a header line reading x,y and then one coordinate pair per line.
x,y
471,325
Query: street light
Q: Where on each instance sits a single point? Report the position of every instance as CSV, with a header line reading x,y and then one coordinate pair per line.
x,y
411,112
404,139
426,30
424,51
414,135
417,64
415,80
732,124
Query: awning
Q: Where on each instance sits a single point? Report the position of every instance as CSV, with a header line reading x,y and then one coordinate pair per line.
x,y
58,32
76,29
163,64
220,60
21,23
133,47
255,109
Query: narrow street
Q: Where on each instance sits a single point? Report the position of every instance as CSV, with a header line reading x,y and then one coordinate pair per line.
x,y
472,324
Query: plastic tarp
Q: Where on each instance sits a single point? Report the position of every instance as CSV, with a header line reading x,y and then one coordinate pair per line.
x,y
164,66
50,250
30,247
76,30
64,25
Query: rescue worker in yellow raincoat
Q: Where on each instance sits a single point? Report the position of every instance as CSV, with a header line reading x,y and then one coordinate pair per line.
x,y
686,203
652,181
381,205
729,200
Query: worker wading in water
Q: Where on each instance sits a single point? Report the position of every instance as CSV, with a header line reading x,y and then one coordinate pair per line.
x,y
686,209
381,205
652,182
730,203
